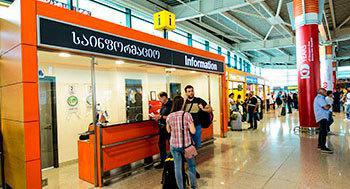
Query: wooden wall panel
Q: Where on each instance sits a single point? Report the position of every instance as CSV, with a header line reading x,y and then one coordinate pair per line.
x,y
12,102
11,67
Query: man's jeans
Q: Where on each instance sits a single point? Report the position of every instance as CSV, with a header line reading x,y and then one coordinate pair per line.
x,y
347,111
177,155
197,137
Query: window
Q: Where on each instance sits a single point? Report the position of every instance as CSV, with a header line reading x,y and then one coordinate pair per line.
x,y
177,37
198,42
235,61
144,26
104,12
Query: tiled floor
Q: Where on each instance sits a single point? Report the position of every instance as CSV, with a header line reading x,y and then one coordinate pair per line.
x,y
271,157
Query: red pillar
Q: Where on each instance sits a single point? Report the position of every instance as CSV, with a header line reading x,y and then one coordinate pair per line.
x,y
307,51
334,64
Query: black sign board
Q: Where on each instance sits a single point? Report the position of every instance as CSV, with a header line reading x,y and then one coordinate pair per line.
x,y
59,34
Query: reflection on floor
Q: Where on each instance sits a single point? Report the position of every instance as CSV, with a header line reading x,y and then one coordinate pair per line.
x,y
271,157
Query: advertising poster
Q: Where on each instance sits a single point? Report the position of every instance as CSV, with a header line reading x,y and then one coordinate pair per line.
x,y
175,90
133,89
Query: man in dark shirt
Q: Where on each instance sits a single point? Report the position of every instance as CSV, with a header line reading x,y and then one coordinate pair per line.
x,y
163,134
252,111
194,105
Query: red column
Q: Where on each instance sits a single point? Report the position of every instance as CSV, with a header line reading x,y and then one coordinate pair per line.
x,y
307,51
334,64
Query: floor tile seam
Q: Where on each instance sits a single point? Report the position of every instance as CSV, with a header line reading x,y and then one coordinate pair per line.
x,y
279,167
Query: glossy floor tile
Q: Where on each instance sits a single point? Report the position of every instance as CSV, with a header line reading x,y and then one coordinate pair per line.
x,y
274,156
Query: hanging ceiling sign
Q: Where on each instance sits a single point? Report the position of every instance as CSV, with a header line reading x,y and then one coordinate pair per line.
x,y
235,77
55,34
251,80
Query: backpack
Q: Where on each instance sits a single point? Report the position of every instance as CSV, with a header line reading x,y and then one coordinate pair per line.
x,y
278,101
206,119
168,177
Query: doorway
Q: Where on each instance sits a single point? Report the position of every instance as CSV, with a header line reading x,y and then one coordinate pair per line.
x,y
48,123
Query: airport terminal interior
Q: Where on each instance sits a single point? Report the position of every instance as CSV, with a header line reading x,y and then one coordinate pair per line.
x,y
173,94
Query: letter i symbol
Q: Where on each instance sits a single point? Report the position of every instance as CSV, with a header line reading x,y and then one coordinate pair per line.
x,y
170,20
158,20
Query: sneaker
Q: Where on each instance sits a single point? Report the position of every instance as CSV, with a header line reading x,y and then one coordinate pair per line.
x,y
250,128
198,175
327,151
331,133
159,166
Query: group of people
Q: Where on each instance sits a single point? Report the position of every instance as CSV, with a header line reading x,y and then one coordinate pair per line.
x,y
180,125
250,110
341,101
282,102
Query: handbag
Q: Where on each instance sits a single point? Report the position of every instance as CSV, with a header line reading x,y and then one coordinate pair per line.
x,y
189,151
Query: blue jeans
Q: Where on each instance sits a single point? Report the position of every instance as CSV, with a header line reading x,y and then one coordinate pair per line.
x,y
347,111
197,137
177,155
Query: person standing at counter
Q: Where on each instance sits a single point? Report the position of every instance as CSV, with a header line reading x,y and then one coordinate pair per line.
x,y
163,134
194,105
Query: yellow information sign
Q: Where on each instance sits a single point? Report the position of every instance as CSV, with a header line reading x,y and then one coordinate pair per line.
x,y
164,20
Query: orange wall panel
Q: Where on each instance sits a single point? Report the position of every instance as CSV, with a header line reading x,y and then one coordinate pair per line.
x,y
33,172
32,140
29,63
28,22
30,102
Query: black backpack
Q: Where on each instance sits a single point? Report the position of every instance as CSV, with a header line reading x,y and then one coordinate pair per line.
x,y
168,178
278,101
206,119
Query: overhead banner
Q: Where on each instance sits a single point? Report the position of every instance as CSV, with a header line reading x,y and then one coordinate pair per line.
x,y
62,35
251,80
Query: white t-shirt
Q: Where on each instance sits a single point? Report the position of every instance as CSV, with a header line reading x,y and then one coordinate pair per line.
x,y
347,99
330,102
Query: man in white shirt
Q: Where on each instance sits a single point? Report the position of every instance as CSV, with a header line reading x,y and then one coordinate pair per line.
x,y
347,104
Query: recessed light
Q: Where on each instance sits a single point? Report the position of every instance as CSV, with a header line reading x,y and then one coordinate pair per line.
x,y
65,55
193,72
170,69
119,62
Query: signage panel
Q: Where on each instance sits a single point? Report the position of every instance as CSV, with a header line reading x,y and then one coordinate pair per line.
x,y
59,34
252,80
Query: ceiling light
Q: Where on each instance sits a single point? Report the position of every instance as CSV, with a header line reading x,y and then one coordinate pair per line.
x,y
193,72
119,62
170,69
65,55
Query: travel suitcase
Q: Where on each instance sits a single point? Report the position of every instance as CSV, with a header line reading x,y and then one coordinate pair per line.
x,y
168,177
236,124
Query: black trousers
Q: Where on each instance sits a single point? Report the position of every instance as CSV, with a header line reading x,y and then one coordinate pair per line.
x,y
289,107
253,120
268,105
163,138
322,135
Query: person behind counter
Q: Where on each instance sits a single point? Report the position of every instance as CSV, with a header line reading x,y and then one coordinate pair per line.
x,y
181,125
163,134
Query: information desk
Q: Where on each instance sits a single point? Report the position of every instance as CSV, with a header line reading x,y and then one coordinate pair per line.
x,y
120,145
